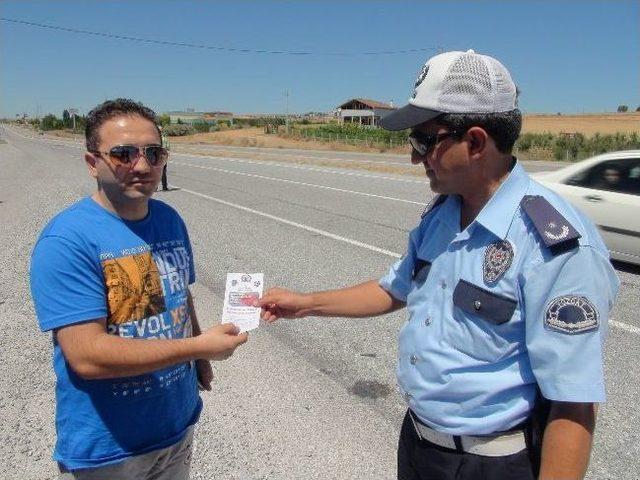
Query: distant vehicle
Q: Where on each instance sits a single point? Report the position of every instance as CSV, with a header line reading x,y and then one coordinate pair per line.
x,y
607,189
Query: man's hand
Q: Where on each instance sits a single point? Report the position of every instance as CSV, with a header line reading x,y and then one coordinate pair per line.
x,y
204,373
281,303
219,342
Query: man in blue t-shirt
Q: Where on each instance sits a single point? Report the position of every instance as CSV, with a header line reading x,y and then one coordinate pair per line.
x,y
110,279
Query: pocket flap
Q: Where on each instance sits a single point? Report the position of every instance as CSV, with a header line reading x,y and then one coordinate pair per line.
x,y
483,303
421,270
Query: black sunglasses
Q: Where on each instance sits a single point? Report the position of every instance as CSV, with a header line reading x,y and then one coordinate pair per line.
x,y
423,143
128,155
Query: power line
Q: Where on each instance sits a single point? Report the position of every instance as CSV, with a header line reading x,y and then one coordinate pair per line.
x,y
211,47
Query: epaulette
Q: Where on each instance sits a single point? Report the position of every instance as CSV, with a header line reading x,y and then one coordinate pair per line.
x,y
435,201
557,234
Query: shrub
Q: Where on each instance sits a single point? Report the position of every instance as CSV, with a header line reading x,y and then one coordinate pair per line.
x,y
531,140
51,122
178,130
355,131
201,127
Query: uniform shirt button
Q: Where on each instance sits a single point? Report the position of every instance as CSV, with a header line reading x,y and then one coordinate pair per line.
x,y
443,284
413,359
427,321
407,397
477,305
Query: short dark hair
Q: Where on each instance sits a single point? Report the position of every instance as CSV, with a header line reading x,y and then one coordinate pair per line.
x,y
503,127
110,109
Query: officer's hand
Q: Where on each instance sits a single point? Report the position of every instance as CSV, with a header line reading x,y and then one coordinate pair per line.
x,y
219,342
280,303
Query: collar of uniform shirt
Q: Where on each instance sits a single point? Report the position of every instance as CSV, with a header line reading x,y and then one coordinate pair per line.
x,y
497,215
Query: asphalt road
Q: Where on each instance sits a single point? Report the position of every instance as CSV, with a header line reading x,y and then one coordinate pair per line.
x,y
311,398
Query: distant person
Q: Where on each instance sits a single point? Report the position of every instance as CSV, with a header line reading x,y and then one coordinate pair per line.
x,y
507,287
110,279
611,178
165,184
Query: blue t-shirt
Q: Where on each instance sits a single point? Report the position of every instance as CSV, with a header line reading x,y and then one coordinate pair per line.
x,y
89,264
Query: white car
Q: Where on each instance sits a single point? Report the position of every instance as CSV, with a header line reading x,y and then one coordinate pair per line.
x,y
607,189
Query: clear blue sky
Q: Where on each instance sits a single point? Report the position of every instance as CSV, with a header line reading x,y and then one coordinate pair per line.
x,y
565,56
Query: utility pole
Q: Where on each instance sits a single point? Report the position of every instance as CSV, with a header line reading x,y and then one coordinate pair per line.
x,y
286,121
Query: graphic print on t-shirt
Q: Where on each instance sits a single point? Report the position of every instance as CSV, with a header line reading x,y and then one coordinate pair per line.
x,y
147,287
134,289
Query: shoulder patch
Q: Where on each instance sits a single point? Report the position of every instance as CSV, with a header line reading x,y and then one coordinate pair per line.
x,y
556,232
434,203
571,314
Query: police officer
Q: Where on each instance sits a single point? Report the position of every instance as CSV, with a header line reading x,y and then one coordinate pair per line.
x,y
508,289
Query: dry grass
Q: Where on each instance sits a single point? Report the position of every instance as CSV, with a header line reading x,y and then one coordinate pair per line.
x,y
587,124
255,137
66,134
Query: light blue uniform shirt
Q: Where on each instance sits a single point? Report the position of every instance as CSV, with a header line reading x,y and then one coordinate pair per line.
x,y
482,332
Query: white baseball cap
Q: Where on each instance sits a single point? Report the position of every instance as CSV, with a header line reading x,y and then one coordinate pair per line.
x,y
456,82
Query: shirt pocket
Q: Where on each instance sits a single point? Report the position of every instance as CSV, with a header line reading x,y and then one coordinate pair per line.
x,y
485,304
481,327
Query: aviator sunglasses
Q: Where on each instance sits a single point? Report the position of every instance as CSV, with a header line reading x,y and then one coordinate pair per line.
x,y
128,155
423,143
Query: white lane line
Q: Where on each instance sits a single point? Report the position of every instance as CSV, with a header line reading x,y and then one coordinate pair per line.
x,y
221,150
295,224
253,162
324,233
301,167
625,326
621,325
284,180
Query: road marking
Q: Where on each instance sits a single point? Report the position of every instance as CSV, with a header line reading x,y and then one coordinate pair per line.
x,y
251,162
625,326
621,325
284,180
324,233
301,167
260,152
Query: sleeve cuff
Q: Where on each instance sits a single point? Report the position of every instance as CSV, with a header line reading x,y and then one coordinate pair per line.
x,y
394,292
574,392
63,321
